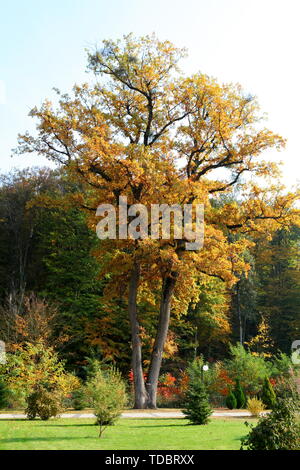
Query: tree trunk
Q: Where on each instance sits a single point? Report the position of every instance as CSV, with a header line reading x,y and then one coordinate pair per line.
x,y
140,392
161,336
239,313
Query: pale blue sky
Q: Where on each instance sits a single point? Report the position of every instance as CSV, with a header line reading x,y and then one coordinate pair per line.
x,y
255,43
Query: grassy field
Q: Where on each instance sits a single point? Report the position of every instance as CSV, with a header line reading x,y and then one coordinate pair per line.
x,y
147,434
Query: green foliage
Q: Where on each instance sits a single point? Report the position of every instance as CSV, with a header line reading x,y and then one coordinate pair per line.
x,y
251,370
56,247
231,402
43,403
206,325
268,395
195,370
33,366
79,400
107,394
278,265
281,365
244,298
19,260
239,395
277,431
286,388
70,276
54,257
197,408
3,395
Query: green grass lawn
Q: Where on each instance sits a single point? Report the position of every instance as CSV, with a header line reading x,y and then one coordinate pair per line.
x,y
131,434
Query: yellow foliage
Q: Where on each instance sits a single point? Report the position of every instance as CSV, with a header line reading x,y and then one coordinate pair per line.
x,y
154,136
261,344
255,406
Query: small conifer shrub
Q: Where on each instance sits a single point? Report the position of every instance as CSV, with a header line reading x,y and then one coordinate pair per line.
x,y
268,395
239,395
197,408
231,401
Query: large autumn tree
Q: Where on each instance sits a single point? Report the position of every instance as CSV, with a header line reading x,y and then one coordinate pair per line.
x,y
149,133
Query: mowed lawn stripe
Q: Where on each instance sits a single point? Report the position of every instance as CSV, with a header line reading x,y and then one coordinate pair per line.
x,y
127,434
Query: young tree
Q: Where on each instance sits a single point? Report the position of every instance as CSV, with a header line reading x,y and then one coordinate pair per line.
x,y
106,390
251,370
149,134
261,344
197,408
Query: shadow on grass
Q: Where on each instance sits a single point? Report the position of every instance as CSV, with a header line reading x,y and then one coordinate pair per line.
x,y
45,439
162,426
233,418
49,425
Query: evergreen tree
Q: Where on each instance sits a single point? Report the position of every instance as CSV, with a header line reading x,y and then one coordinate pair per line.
x,y
239,395
231,401
268,395
197,408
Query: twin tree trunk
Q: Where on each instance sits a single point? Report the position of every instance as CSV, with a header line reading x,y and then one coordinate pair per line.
x,y
145,394
140,393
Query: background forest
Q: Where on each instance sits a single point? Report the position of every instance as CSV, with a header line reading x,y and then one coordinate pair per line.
x,y
52,291
145,133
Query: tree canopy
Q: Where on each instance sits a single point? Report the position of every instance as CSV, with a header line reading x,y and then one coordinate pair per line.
x,y
147,132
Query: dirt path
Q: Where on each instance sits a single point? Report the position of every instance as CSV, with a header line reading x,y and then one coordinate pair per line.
x,y
138,414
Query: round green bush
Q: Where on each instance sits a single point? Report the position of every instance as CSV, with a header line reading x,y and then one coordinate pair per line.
x,y
277,431
43,403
